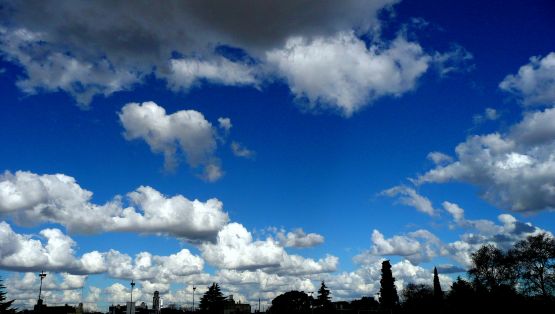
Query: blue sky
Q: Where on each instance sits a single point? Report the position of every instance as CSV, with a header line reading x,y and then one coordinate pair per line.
x,y
317,141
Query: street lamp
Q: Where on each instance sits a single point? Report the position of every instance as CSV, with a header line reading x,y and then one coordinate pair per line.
x,y
194,288
41,275
132,286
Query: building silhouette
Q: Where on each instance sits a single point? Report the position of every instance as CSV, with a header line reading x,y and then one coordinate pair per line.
x,y
156,302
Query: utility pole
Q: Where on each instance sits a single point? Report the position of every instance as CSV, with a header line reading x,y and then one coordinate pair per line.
x,y
194,288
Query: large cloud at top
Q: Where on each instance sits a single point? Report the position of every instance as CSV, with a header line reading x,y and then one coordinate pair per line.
x,y
98,48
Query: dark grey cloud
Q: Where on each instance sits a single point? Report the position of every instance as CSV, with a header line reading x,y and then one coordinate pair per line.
x,y
89,48
144,29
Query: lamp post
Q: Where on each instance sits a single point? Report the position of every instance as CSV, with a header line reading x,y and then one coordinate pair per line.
x,y
194,288
41,275
132,286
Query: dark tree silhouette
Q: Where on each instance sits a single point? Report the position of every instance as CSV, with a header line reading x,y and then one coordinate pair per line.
x,y
5,305
364,304
418,298
536,261
323,299
388,292
492,268
461,290
438,293
213,300
461,296
296,302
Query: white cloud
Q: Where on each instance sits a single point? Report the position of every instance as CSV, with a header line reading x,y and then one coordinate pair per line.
x,y
418,246
185,73
482,231
534,84
398,245
185,130
411,198
21,252
454,210
176,215
55,71
514,171
405,272
236,249
341,73
240,150
298,238
153,268
32,199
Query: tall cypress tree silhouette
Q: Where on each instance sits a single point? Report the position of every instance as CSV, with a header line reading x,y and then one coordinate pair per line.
x,y
438,293
388,293
5,305
323,301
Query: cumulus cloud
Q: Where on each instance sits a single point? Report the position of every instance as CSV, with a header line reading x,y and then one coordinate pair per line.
x,y
69,49
397,245
22,252
317,51
32,199
534,84
409,197
418,246
359,74
482,231
55,251
185,130
152,268
236,249
405,272
58,71
514,170
298,238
